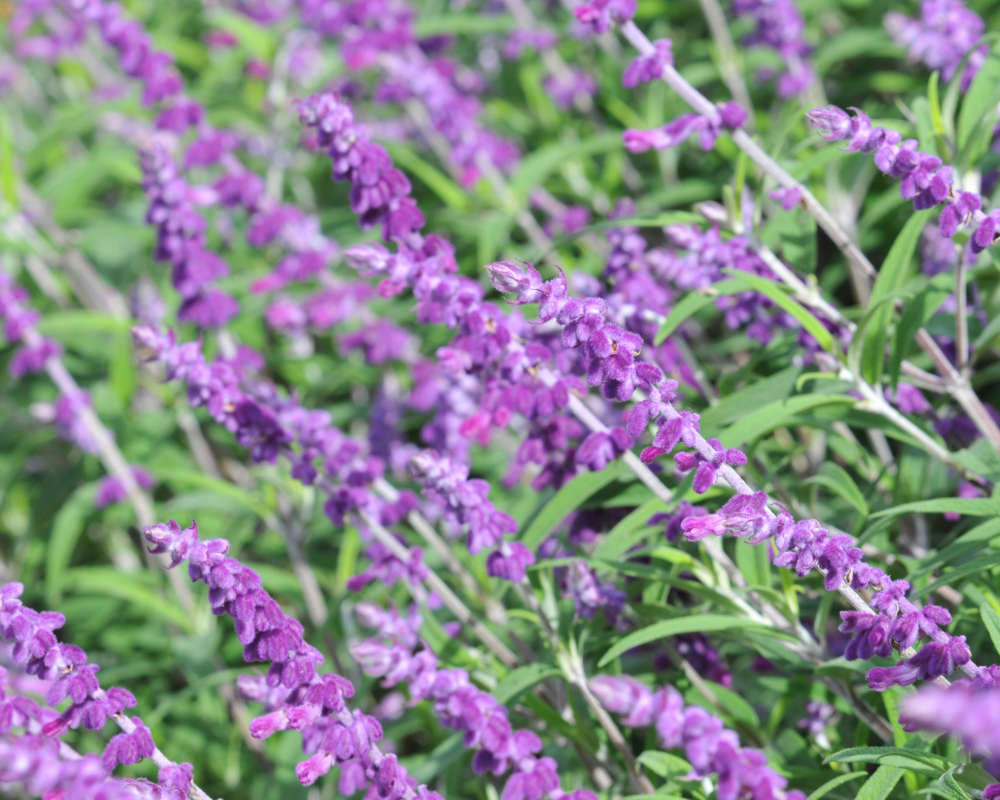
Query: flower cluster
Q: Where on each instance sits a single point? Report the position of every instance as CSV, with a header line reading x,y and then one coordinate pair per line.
x,y
136,56
19,319
590,595
923,179
964,710
802,545
709,747
380,193
600,15
461,706
310,702
181,241
111,489
805,545
71,676
645,69
779,26
942,37
729,116
35,761
465,503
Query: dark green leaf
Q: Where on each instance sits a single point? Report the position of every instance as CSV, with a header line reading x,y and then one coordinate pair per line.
x,y
890,279
878,786
66,530
915,315
992,622
837,479
621,537
832,784
520,680
704,623
775,415
567,500
972,507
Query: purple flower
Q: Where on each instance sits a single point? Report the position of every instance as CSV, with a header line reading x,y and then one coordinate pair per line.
x,y
565,89
645,69
509,561
932,660
110,489
780,26
600,15
534,40
729,117
941,37
707,469
923,179
966,710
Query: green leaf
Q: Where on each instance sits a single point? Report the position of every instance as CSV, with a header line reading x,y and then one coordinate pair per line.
x,y
537,166
69,326
688,306
964,545
257,39
66,529
951,787
837,479
979,101
992,622
567,500
109,582
757,393
958,574
704,623
520,680
916,314
833,783
754,563
435,180
427,766
985,339
776,292
666,765
966,506
233,493
8,177
934,101
775,415
729,701
871,755
457,24
882,781
890,279
621,537
691,303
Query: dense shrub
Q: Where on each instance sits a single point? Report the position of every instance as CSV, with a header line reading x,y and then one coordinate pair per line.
x,y
561,403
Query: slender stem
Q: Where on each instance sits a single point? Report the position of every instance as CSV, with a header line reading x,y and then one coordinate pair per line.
x,y
806,648
728,66
450,599
430,535
958,387
573,667
961,313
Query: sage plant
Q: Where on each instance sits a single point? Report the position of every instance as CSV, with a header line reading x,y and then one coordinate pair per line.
x,y
588,401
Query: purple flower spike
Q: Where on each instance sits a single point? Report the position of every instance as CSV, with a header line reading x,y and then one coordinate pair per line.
x,y
707,469
780,26
707,744
729,116
945,32
645,69
600,15
922,177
